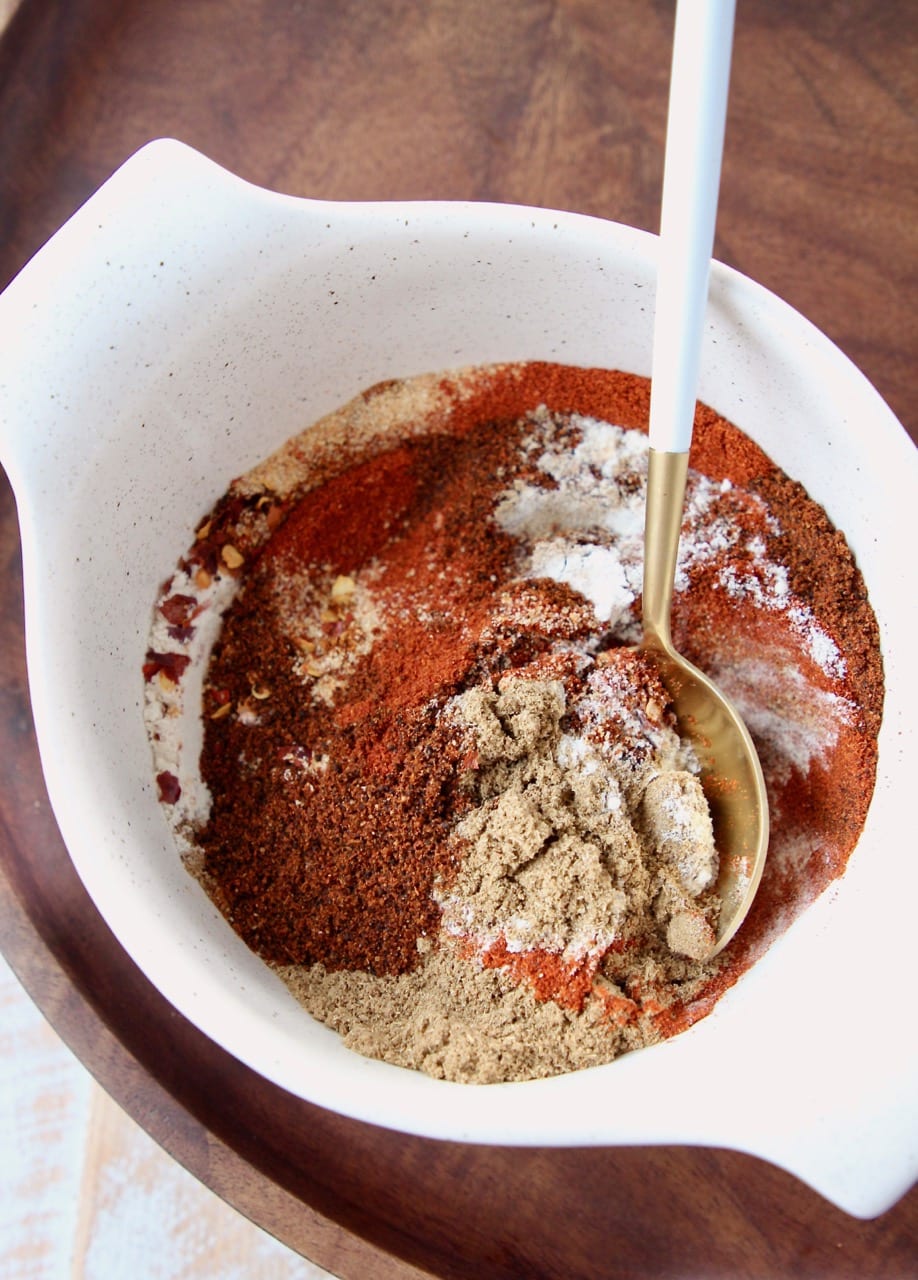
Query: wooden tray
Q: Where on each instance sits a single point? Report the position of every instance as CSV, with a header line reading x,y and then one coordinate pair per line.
x,y
559,104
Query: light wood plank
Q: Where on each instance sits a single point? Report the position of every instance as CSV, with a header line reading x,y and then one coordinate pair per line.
x,y
86,1194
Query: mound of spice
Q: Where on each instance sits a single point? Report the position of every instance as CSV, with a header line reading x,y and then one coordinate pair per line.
x,y
436,790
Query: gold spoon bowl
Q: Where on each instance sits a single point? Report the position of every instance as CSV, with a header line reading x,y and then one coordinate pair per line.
x,y
730,774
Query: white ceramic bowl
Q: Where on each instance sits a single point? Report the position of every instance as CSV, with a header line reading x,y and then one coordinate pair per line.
x,y
181,326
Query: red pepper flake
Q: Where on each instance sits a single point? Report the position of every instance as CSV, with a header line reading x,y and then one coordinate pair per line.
x,y
179,609
169,787
172,664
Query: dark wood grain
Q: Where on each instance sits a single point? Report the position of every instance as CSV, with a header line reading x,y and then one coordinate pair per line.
x,y
552,102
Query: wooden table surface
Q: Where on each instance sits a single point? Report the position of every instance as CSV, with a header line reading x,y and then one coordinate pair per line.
x,y
551,102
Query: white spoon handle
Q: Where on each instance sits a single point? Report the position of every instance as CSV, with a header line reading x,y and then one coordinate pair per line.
x,y
702,47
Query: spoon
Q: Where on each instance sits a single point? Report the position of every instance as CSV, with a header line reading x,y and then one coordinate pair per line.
x,y
731,774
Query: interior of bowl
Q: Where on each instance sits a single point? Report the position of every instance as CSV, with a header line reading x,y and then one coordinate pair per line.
x,y
183,326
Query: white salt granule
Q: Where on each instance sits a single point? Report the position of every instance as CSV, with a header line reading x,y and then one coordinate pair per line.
x,y
595,571
588,531
794,723
766,585
819,644
598,505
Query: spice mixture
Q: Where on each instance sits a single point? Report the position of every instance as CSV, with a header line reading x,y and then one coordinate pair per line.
x,y
406,746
